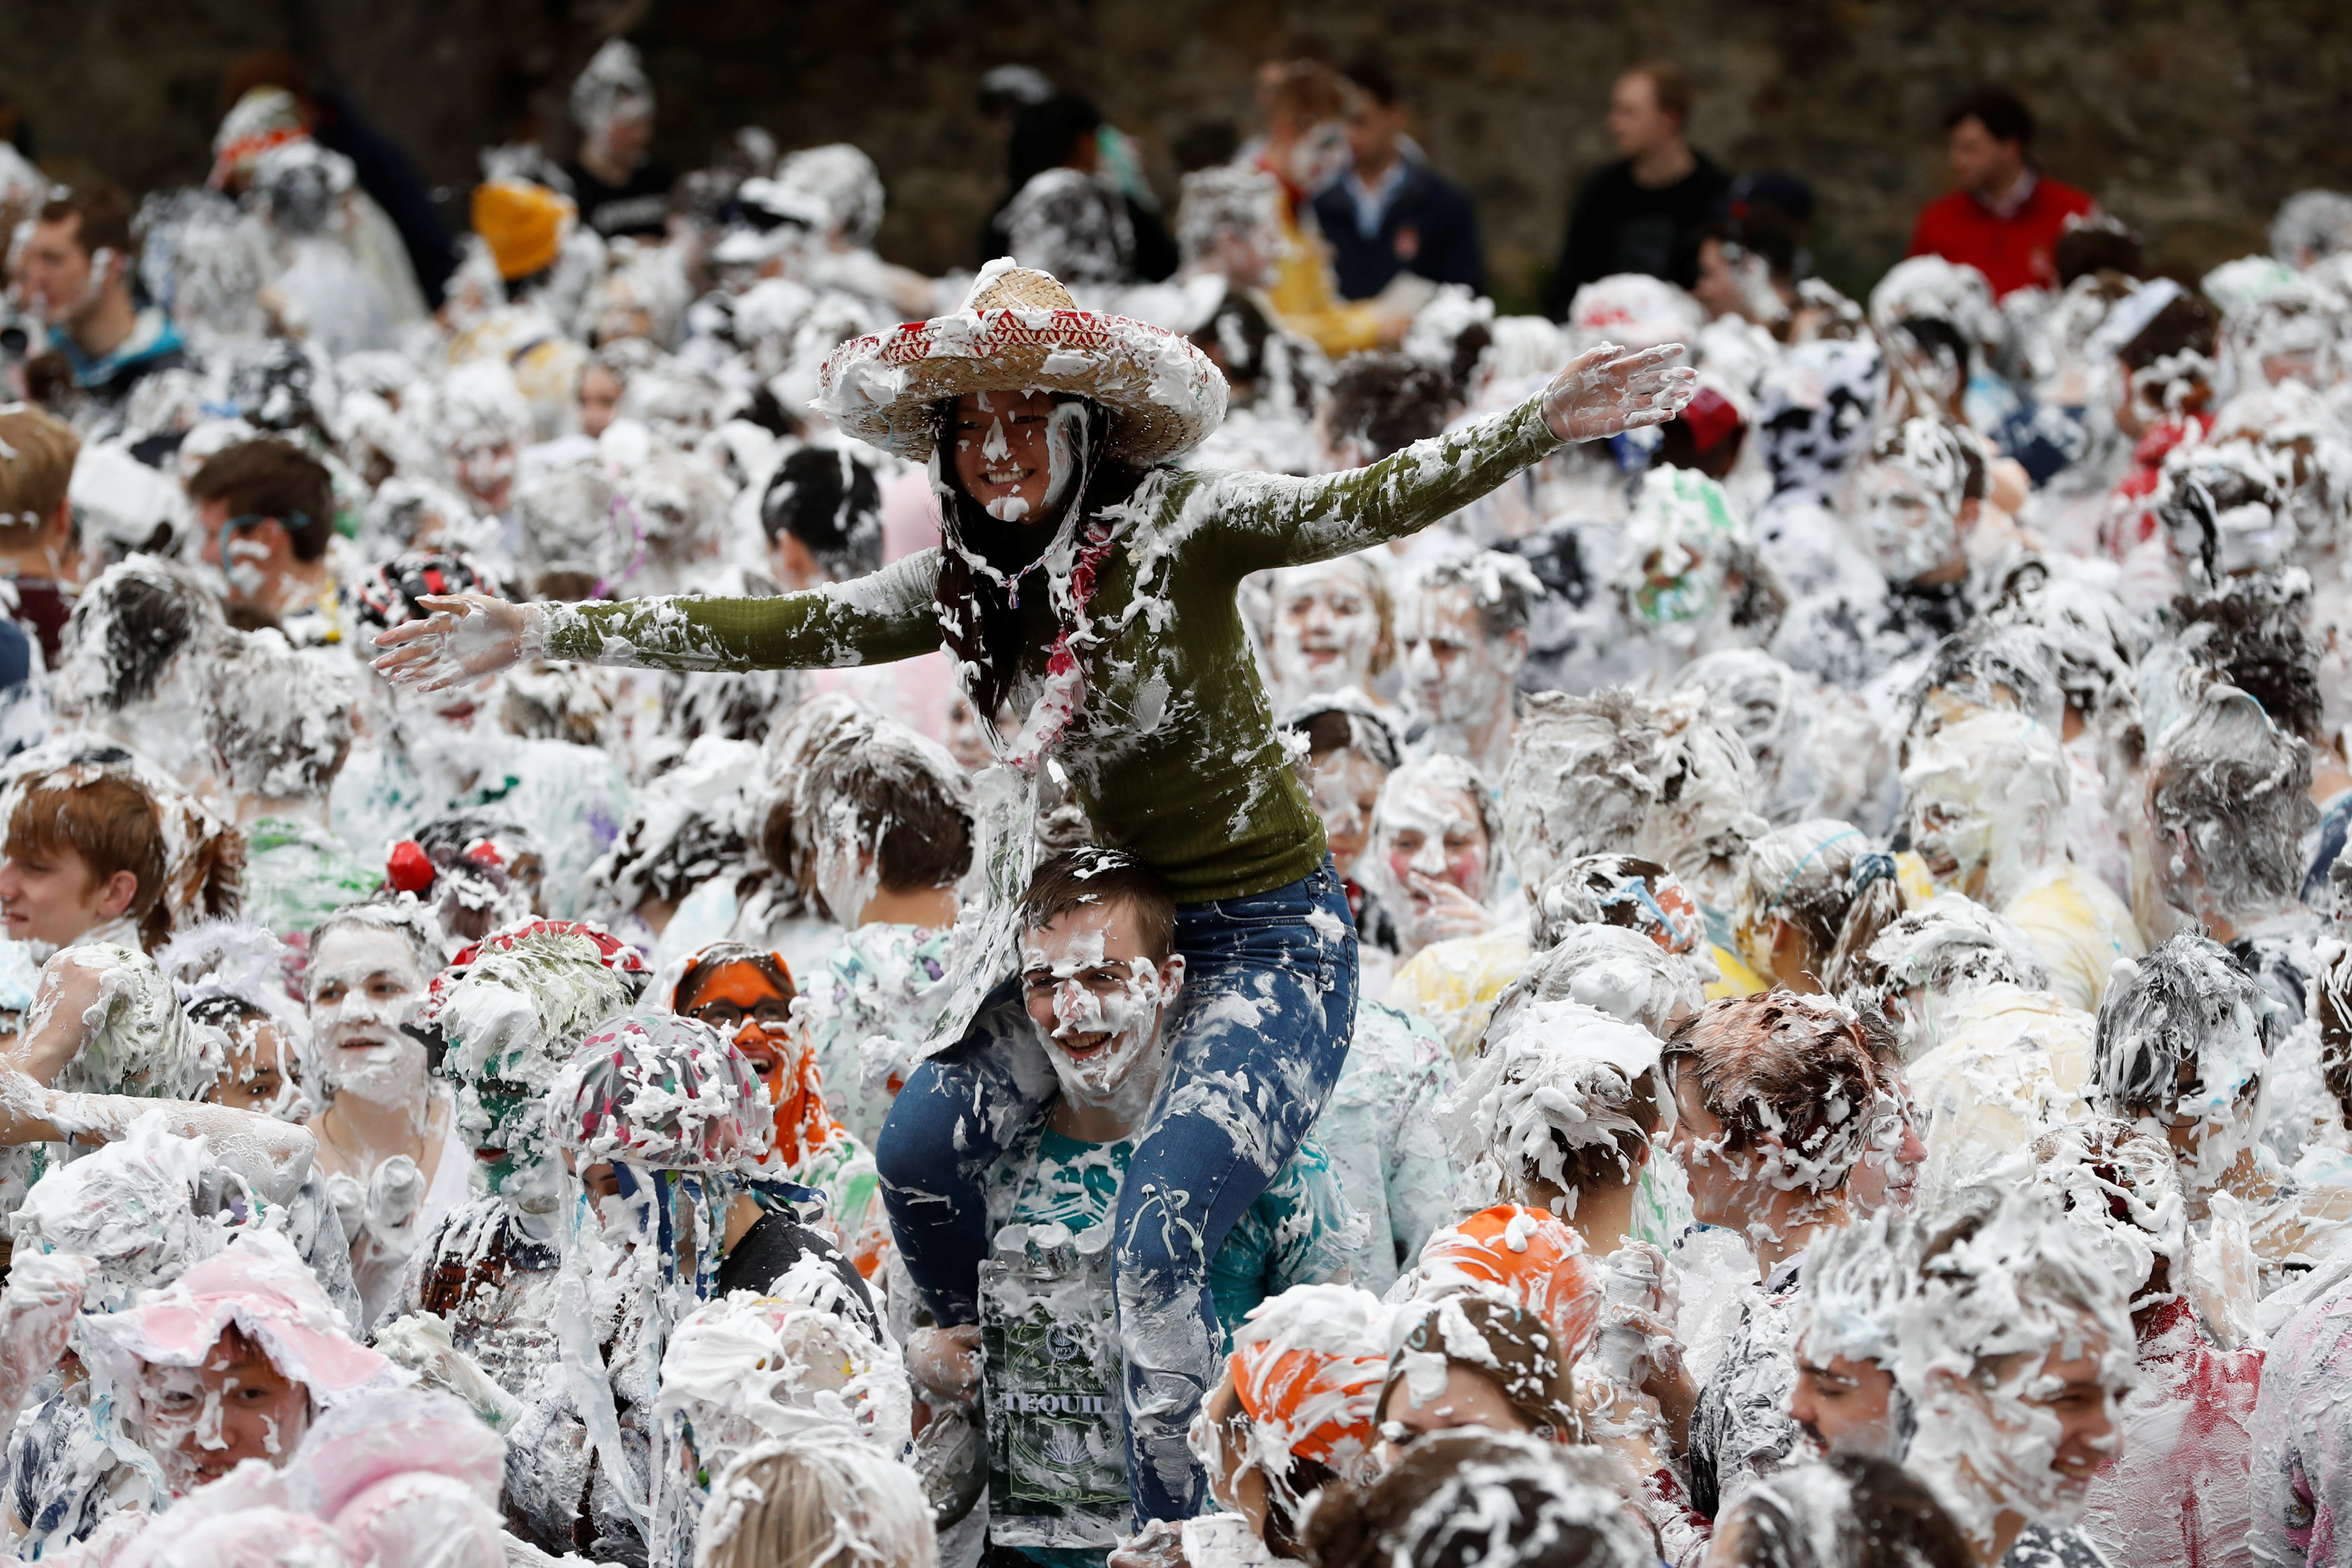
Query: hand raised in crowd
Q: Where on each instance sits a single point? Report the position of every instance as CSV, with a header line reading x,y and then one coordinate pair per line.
x,y
1606,390
467,636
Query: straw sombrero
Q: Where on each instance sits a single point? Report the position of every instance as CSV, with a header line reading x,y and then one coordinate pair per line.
x,y
1020,329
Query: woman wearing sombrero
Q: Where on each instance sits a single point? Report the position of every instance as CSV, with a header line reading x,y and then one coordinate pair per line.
x,y
1086,589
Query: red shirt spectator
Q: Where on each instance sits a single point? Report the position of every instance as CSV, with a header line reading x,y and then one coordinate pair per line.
x,y
2006,217
2012,243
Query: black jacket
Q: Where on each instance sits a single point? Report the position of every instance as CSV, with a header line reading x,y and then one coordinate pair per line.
x,y
1429,228
1618,226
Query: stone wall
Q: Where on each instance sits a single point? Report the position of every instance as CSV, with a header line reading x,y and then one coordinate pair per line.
x,y
2191,118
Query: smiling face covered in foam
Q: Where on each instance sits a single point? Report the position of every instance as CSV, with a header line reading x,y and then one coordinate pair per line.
x,y
1330,627
1097,996
365,983
1019,454
2014,1348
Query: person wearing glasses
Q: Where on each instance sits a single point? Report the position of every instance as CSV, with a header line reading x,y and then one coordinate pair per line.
x,y
747,996
267,509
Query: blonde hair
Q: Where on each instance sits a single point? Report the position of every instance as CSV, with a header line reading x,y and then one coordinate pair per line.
x,y
817,1501
38,452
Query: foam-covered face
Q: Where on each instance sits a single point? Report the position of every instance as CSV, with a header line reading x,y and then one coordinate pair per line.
x,y
1095,996
1679,589
1844,1403
1430,833
486,470
1909,529
505,1122
742,1003
1721,1182
1346,787
1454,671
1326,628
2033,1429
364,986
2216,1116
1951,832
201,1422
1016,454
259,1075
1463,1396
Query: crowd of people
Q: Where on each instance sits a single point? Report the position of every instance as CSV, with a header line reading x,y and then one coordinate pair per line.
x,y
676,895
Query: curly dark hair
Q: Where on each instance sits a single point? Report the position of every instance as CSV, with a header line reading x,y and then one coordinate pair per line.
x,y
1389,401
2256,638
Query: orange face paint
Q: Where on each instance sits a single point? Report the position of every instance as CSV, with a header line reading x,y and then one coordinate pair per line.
x,y
780,1054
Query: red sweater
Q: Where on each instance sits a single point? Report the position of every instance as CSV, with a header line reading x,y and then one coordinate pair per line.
x,y
2014,251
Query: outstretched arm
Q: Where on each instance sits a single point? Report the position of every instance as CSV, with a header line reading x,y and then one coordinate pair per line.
x,y
1266,520
274,1156
871,620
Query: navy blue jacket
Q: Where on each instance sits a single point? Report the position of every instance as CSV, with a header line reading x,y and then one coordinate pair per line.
x,y
1429,228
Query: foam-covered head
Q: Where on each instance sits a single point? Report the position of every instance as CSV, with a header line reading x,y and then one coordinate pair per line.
x,y
749,1367
1460,634
2120,1188
1931,962
2311,226
819,1500
659,1093
2229,795
1667,779
1535,1259
1908,499
129,1204
1803,876
512,1011
1487,1499
1989,666
2224,508
1562,1093
1474,1356
843,183
1858,1279
1436,820
1791,1088
1985,803
2014,1348
1678,547
1306,1369
1634,309
1618,972
1333,627
2184,1042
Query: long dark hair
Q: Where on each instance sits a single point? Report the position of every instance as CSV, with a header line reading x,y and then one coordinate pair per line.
x,y
981,554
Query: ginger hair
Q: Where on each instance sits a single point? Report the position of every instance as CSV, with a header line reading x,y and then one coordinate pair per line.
x,y
110,822
1786,1072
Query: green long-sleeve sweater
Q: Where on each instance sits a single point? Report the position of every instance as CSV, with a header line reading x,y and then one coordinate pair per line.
x,y
1173,751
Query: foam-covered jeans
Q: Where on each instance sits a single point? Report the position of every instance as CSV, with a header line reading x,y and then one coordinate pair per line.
x,y
1257,1039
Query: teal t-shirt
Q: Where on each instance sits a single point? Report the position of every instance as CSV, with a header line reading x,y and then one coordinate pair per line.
x,y
1300,1231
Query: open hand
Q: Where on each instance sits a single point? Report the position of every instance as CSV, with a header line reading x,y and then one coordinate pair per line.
x,y
467,636
1606,390
1448,911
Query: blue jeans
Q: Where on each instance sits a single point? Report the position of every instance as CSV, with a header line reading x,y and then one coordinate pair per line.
x,y
1258,1036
